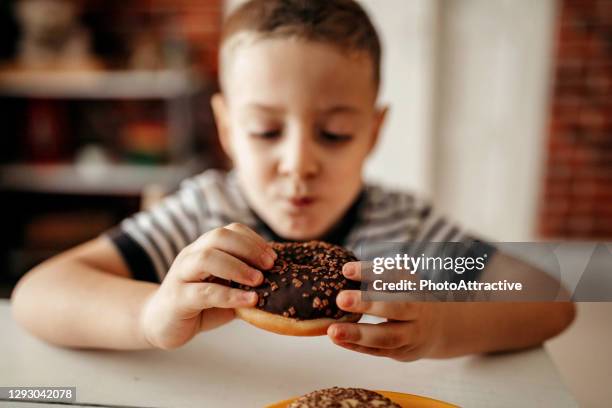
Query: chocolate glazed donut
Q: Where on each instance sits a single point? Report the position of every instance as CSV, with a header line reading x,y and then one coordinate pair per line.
x,y
343,397
298,295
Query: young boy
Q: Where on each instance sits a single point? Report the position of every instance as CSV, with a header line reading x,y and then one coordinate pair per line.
x,y
298,117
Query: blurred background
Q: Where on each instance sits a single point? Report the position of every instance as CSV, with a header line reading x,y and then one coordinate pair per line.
x,y
501,111
102,103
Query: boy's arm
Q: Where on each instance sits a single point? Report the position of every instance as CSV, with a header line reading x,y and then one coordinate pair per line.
x,y
490,327
498,325
83,297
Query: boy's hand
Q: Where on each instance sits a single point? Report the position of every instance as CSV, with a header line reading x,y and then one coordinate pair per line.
x,y
185,304
413,330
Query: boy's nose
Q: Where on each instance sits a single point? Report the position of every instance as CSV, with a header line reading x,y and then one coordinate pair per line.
x,y
299,157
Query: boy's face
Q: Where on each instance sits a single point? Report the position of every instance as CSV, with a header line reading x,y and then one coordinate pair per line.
x,y
298,119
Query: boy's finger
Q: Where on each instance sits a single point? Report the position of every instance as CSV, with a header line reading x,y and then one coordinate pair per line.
x,y
351,301
352,270
211,261
254,249
365,350
388,335
205,295
258,239
359,271
401,354
237,244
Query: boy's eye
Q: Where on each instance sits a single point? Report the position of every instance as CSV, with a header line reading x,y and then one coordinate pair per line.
x,y
335,137
267,134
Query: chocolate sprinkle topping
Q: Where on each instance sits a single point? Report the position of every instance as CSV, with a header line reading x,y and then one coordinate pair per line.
x,y
315,269
343,397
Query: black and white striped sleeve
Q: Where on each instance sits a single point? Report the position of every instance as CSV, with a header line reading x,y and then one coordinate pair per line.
x,y
150,240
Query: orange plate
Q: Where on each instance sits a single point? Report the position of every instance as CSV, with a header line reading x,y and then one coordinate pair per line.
x,y
405,400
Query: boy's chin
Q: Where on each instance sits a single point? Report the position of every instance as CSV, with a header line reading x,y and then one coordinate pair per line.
x,y
300,231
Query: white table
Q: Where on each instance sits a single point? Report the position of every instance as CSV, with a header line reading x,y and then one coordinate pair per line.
x,y
241,366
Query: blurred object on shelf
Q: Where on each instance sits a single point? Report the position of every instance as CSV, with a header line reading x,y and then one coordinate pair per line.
x,y
46,133
52,37
146,52
91,160
114,34
92,155
145,142
139,116
175,47
60,230
160,47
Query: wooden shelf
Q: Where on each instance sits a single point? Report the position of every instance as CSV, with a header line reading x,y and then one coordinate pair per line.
x,y
166,84
102,179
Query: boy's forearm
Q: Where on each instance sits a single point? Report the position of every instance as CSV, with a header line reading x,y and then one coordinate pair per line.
x,y
488,327
73,304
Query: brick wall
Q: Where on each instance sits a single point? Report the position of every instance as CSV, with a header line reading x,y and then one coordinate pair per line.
x,y
577,194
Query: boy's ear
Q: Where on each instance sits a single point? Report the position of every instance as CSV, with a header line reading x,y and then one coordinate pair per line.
x,y
219,108
379,119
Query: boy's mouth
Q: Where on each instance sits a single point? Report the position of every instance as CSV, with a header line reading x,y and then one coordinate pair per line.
x,y
300,202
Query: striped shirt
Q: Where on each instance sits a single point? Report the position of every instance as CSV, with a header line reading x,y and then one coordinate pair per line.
x,y
150,240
